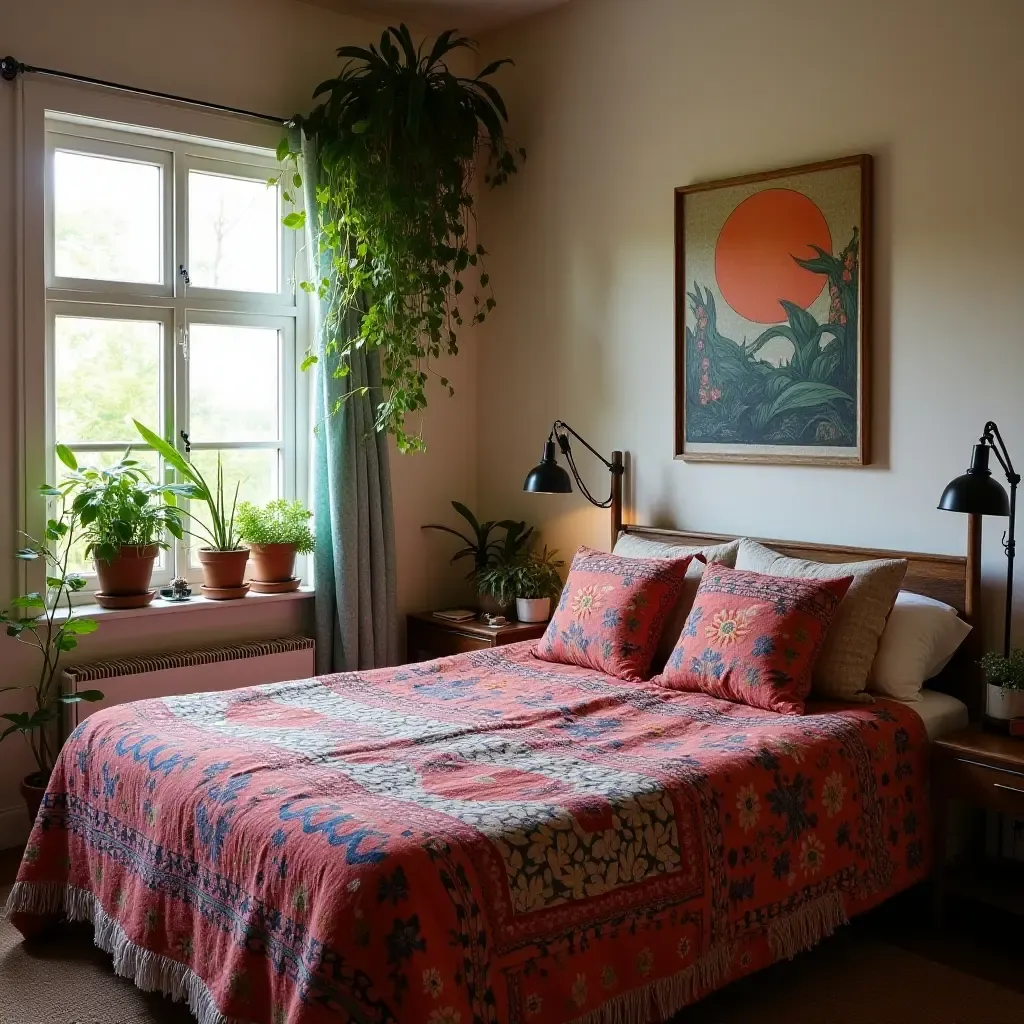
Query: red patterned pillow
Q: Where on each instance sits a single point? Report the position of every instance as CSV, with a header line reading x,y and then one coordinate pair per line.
x,y
754,639
612,612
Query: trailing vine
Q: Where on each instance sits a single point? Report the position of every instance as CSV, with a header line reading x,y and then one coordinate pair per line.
x,y
398,141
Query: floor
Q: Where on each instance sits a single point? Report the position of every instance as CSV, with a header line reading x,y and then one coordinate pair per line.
x,y
889,966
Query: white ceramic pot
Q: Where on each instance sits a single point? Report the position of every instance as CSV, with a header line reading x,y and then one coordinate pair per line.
x,y
1004,703
533,609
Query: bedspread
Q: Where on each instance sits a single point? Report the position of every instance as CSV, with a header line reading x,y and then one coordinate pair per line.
x,y
484,838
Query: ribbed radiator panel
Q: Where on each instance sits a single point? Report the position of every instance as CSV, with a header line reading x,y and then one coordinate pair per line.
x,y
200,670
185,659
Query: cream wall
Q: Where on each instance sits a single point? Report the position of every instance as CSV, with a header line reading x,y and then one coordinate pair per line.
x,y
265,55
618,102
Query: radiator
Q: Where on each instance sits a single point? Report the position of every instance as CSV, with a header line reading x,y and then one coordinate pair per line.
x,y
196,671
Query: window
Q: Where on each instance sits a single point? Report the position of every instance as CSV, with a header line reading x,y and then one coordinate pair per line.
x,y
170,300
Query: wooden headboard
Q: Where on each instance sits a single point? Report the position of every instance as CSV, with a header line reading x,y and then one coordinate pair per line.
x,y
952,579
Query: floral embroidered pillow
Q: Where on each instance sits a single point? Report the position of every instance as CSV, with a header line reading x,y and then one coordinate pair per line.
x,y
753,639
612,612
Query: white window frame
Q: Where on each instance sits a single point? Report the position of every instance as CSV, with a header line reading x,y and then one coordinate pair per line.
x,y
55,115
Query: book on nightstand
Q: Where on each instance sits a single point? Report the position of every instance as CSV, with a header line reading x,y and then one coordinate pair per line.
x,y
455,614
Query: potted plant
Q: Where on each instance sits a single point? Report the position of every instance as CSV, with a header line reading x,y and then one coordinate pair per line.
x,y
483,550
275,533
530,581
1004,678
223,557
124,526
399,139
31,620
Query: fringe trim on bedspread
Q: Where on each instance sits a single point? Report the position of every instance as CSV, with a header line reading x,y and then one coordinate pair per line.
x,y
150,971
787,936
806,927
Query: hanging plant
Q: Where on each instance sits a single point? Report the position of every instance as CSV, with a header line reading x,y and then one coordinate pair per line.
x,y
398,140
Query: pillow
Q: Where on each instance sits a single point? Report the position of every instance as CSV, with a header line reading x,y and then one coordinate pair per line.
x,y
841,672
753,639
919,639
633,546
612,611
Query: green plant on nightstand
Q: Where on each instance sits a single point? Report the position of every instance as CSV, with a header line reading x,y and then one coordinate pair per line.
x,y
1004,677
530,581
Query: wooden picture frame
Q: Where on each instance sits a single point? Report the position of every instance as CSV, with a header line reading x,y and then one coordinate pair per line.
x,y
773,316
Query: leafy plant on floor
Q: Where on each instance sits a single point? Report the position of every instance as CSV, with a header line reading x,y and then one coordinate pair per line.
x,y
278,522
32,620
1002,671
530,576
116,506
221,533
398,140
478,544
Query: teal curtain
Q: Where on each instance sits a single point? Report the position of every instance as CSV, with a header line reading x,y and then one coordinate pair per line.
x,y
354,560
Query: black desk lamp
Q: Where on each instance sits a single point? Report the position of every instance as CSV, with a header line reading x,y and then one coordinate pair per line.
x,y
978,494
550,478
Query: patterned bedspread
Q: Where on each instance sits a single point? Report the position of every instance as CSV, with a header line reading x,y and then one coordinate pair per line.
x,y
485,838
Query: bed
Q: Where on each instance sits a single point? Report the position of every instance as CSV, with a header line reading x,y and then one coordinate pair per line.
x,y
481,838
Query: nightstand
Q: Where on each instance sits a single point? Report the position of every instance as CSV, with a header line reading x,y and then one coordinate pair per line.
x,y
984,771
430,637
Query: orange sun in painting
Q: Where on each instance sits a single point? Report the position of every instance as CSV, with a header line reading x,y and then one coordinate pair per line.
x,y
754,263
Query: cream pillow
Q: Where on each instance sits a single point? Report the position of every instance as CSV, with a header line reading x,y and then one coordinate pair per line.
x,y
632,546
922,634
841,671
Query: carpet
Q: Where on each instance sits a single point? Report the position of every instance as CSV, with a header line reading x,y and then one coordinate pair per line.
x,y
851,978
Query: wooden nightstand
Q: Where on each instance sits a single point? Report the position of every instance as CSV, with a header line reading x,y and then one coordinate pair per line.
x,y
430,637
984,771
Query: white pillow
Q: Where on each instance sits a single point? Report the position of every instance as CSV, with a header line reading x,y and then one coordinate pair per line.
x,y
918,640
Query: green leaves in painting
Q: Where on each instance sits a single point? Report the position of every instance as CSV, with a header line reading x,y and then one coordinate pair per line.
x,y
735,396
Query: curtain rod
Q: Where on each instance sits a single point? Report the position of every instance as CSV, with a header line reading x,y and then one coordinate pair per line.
x,y
10,68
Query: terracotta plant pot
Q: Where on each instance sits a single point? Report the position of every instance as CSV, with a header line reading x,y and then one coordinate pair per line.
x,y
223,570
33,787
129,573
272,563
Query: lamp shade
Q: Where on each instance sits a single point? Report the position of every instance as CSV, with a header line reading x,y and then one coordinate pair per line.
x,y
548,477
976,492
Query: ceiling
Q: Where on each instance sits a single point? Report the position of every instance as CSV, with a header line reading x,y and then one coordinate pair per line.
x,y
465,15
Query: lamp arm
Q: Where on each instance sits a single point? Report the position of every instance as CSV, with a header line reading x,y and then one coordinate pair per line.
x,y
992,435
559,424
559,430
994,440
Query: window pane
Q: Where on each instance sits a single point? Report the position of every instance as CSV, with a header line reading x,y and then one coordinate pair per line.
x,y
106,218
103,460
254,469
233,233
106,373
233,383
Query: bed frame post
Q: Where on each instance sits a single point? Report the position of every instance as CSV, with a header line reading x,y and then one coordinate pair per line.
x,y
972,613
618,470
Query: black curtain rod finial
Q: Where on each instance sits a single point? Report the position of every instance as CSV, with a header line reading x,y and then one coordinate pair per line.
x,y
10,68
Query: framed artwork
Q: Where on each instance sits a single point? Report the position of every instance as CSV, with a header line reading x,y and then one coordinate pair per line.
x,y
773,316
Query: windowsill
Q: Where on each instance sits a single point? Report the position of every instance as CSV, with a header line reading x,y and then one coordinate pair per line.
x,y
194,604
